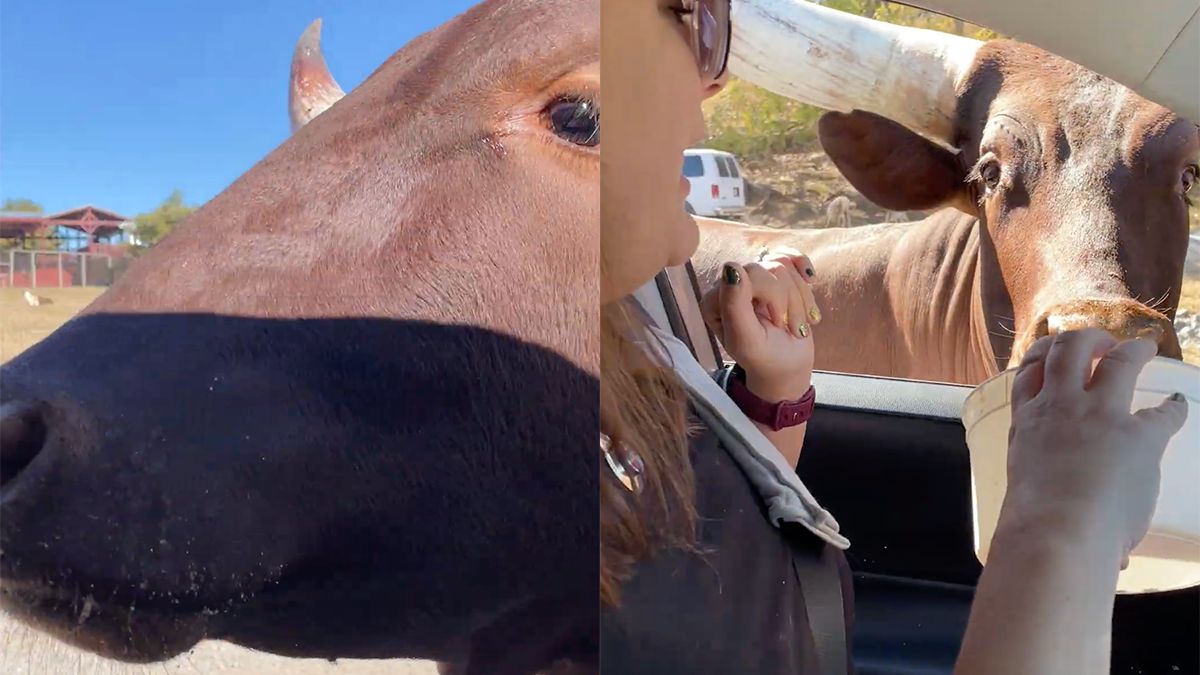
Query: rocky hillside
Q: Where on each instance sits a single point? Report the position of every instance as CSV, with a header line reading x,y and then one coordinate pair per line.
x,y
796,190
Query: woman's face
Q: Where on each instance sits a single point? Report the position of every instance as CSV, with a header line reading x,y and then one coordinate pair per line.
x,y
650,107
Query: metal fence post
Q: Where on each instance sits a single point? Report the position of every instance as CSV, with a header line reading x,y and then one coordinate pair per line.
x,y
60,271
33,269
83,269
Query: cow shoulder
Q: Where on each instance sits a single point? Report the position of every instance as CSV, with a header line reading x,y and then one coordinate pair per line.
x,y
890,165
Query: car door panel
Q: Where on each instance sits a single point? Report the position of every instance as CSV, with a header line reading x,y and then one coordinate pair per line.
x,y
889,459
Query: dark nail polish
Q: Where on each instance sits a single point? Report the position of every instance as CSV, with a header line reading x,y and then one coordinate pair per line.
x,y
732,276
1177,397
810,272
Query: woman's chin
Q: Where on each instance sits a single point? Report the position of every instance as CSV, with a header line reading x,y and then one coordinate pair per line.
x,y
686,239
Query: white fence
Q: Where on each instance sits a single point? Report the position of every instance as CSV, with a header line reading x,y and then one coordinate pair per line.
x,y
54,269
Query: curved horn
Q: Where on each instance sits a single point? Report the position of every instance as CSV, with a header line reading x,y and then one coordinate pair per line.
x,y
843,62
312,88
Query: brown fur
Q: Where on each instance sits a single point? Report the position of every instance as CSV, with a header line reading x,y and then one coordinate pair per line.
x,y
351,401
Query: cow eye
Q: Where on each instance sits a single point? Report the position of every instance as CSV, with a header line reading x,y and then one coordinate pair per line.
x,y
1189,178
990,173
575,120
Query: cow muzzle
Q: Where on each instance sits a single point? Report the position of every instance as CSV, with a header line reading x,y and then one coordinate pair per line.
x,y
1125,319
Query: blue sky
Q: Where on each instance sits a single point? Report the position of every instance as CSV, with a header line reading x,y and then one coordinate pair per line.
x,y
118,103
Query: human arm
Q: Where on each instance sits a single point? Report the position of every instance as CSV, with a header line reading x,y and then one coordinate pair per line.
x,y
1083,482
763,314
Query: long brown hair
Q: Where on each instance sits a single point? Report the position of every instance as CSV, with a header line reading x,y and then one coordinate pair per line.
x,y
642,409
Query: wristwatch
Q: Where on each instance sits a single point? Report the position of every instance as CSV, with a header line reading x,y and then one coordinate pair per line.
x,y
775,414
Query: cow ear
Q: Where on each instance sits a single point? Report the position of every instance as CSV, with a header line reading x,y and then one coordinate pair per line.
x,y
890,165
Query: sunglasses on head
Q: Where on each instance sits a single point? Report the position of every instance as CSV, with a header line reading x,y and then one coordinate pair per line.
x,y
710,28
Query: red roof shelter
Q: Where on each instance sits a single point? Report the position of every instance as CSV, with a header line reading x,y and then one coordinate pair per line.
x,y
91,261
93,221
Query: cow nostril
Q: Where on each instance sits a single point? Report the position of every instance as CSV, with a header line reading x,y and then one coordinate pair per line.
x,y
22,435
1151,332
1043,328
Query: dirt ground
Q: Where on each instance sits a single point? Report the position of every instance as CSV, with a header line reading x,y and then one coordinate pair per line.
x,y
24,652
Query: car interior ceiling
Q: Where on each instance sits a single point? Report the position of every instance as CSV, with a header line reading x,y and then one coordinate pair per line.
x,y
889,459
1153,48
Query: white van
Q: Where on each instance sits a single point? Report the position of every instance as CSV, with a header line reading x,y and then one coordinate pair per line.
x,y
717,186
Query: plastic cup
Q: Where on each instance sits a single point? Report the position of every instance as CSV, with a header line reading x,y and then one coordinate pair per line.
x,y
1169,557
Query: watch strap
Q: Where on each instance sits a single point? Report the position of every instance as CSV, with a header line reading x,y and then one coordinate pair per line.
x,y
774,414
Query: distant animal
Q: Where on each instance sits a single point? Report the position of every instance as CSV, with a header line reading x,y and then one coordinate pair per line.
x,y
36,300
837,214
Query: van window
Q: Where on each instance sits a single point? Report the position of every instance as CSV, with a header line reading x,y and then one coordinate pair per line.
x,y
722,166
692,166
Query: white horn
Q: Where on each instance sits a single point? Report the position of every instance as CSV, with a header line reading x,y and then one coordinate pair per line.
x,y
312,88
842,62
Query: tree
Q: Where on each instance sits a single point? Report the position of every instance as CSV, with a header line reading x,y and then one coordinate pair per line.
x,y
152,226
22,205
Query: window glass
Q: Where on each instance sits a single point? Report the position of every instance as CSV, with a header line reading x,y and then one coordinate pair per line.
x,y
722,166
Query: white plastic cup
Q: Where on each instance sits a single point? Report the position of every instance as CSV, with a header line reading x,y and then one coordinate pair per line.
x,y
1169,557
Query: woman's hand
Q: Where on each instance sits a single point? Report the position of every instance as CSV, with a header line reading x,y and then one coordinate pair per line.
x,y
1083,478
1078,461
763,313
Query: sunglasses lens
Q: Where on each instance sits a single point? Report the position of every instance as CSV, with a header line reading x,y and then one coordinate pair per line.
x,y
712,27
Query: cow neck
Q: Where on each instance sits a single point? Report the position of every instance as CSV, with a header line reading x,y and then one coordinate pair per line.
x,y
965,343
982,354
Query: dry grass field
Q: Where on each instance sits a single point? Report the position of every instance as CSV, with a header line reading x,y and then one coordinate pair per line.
x,y
21,326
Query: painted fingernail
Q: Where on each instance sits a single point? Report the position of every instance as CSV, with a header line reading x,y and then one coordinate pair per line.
x,y
783,321
810,272
815,315
732,276
802,329
1177,397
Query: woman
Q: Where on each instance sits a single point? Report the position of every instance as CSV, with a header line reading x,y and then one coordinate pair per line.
x,y
695,578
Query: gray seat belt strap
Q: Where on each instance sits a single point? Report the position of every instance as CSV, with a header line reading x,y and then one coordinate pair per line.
x,y
821,583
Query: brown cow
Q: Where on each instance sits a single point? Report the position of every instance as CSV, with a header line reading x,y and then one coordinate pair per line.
x,y
1066,194
344,410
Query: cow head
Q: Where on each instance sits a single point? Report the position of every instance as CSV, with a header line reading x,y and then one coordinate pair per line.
x,y
342,410
1080,184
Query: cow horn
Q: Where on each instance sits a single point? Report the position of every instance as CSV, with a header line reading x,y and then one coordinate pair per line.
x,y
839,61
312,89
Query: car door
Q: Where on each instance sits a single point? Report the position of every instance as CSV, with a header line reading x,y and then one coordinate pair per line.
x,y
889,459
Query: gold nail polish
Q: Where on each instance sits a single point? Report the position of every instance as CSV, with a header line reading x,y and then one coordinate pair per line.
x,y
802,329
815,315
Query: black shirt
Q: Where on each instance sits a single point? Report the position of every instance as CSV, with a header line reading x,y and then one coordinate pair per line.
x,y
736,607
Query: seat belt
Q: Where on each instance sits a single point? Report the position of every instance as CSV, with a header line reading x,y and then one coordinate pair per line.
x,y
821,584
815,566
680,292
